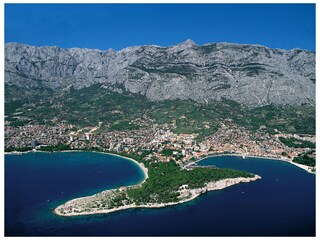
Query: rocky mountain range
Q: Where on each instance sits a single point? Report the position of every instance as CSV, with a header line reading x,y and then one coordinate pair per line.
x,y
252,75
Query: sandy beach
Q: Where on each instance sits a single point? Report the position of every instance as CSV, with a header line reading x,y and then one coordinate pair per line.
x,y
143,168
141,165
247,156
211,186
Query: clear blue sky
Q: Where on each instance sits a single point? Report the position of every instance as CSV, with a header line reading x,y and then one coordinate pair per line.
x,y
117,26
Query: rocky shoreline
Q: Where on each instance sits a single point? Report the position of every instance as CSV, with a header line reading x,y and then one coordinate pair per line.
x,y
193,193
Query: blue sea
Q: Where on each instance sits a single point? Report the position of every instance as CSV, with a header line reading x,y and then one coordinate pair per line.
x,y
281,204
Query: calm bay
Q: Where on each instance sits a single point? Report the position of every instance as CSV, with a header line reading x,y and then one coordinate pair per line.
x,y
281,204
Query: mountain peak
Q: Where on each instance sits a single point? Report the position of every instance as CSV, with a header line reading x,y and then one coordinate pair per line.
x,y
188,43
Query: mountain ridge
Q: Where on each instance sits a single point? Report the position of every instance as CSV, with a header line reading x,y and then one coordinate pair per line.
x,y
252,75
159,46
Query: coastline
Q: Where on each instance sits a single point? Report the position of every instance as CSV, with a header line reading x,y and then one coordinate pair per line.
x,y
145,170
141,165
304,167
210,186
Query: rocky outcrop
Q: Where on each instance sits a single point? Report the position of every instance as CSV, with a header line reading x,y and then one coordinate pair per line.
x,y
252,75
229,182
83,206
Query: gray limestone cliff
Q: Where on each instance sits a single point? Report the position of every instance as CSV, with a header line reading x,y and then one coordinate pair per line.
x,y
252,75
